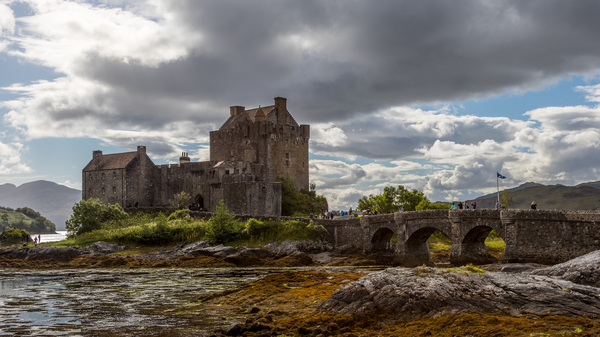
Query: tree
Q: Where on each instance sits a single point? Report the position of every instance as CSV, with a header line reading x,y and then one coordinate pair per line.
x,y
302,201
181,199
426,205
88,215
392,199
505,199
222,226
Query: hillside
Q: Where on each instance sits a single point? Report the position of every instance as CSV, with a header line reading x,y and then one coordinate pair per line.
x,y
584,196
53,201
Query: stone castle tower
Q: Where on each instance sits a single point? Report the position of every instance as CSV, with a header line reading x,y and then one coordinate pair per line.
x,y
247,154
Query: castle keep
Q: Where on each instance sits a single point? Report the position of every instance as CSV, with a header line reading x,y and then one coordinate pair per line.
x,y
247,154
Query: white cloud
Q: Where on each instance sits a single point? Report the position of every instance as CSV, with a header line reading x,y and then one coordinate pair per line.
x,y
10,159
592,91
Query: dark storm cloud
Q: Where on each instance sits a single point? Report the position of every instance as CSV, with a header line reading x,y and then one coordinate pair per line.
x,y
370,55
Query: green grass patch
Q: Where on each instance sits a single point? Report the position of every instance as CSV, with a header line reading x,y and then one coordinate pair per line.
x,y
494,241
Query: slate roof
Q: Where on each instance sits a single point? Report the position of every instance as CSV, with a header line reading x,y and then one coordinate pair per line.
x,y
111,161
269,111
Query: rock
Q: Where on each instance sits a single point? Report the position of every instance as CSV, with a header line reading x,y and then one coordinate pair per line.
x,y
347,249
46,253
513,267
219,251
234,329
288,248
256,252
192,247
583,270
409,294
103,247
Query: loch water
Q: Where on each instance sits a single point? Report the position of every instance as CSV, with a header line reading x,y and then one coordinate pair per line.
x,y
139,302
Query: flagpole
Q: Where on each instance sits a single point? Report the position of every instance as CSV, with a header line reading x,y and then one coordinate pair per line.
x,y
497,187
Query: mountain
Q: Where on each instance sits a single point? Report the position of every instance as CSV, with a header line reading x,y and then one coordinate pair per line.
x,y
584,196
53,201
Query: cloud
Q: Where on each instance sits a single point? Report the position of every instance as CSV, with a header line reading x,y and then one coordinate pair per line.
x,y
10,159
335,60
163,73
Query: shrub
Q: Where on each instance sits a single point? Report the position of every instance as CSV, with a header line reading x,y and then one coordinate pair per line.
x,y
13,236
222,226
88,215
179,214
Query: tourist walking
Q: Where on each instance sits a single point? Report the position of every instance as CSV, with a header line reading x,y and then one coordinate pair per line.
x,y
533,205
474,204
497,205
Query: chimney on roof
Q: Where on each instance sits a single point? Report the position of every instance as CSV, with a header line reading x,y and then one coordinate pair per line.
x,y
141,150
280,105
184,158
236,110
96,158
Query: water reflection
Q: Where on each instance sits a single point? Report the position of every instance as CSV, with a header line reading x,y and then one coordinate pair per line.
x,y
130,302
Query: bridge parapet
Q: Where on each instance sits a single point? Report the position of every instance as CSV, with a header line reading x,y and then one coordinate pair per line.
x,y
542,236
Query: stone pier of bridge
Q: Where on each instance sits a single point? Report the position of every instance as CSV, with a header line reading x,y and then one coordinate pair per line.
x,y
540,236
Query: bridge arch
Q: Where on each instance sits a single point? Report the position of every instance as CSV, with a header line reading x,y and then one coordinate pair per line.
x,y
472,229
381,241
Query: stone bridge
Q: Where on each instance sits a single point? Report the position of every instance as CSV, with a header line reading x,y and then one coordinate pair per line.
x,y
540,236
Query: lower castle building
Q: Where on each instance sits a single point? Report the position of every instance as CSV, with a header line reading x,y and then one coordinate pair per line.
x,y
247,154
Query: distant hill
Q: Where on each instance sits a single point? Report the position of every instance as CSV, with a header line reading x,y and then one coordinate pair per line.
x,y
53,201
584,196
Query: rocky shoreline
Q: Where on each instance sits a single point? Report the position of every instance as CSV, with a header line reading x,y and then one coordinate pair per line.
x,y
324,300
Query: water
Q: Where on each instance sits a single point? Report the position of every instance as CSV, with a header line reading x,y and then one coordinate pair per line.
x,y
149,302
60,235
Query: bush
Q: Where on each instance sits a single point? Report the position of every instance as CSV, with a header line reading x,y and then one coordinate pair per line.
x,y
13,236
88,215
179,214
222,226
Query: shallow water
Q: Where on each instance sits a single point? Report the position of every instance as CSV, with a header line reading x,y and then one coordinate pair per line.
x,y
140,302
60,235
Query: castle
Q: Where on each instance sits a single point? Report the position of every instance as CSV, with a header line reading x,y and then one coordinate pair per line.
x,y
247,154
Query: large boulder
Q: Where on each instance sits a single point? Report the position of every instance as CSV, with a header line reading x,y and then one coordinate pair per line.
x,y
219,251
102,247
583,270
408,294
288,248
46,253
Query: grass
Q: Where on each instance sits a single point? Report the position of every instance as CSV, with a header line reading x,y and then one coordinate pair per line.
x,y
146,229
438,242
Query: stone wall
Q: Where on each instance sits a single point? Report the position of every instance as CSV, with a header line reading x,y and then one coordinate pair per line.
x,y
530,235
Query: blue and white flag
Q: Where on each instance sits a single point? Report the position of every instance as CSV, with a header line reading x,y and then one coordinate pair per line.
x,y
500,176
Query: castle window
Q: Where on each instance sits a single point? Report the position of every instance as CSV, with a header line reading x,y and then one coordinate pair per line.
x,y
287,159
114,190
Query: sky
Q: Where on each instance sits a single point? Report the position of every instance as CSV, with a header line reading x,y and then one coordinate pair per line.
x,y
434,95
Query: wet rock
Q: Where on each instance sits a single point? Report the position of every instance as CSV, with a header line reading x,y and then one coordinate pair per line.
x,y
347,249
219,251
513,267
583,270
287,247
46,253
189,249
234,329
409,294
103,247
256,252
